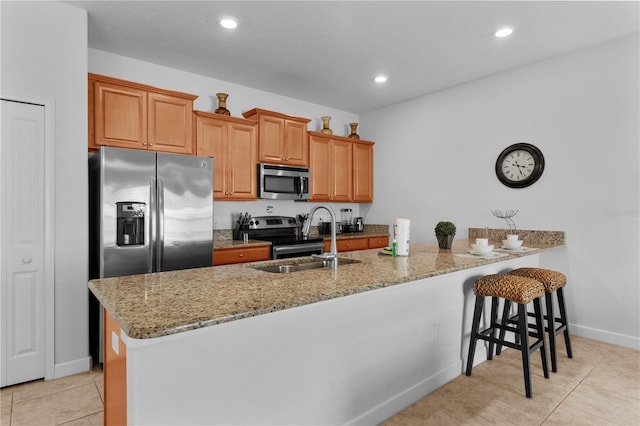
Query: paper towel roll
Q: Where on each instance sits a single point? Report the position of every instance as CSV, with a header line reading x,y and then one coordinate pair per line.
x,y
402,236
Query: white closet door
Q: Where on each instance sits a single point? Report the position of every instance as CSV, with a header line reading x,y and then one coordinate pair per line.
x,y
22,242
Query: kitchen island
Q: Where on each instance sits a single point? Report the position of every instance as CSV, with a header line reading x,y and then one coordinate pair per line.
x,y
234,344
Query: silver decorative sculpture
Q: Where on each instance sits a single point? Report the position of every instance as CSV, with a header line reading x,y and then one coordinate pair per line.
x,y
507,215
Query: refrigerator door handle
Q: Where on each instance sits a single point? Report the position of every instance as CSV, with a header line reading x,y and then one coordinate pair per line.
x,y
160,234
152,225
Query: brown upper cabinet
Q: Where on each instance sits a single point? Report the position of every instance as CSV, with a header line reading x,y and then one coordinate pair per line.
x,y
363,172
341,168
282,139
232,143
132,115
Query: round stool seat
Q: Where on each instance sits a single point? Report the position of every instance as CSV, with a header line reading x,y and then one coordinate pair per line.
x,y
511,287
551,280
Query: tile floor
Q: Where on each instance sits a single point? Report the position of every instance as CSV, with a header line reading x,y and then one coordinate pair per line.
x,y
71,400
599,386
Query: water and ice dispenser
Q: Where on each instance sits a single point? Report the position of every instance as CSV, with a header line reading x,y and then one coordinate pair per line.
x,y
130,222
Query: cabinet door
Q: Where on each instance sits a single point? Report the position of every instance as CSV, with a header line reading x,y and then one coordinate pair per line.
x,y
120,116
241,255
342,170
378,242
211,142
352,244
321,168
362,172
242,159
296,142
91,109
271,140
170,124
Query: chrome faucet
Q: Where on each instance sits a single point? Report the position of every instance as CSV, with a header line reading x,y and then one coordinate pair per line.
x,y
332,256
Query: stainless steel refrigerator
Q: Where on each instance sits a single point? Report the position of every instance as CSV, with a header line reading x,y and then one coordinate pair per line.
x,y
148,212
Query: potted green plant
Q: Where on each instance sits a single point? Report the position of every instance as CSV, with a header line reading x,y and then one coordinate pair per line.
x,y
444,234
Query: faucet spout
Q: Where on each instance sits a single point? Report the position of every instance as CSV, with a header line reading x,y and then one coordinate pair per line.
x,y
332,256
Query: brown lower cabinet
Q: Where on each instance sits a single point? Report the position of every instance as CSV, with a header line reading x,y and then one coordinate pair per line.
x,y
351,244
115,374
228,256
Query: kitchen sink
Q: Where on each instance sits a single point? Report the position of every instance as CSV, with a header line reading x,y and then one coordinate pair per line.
x,y
302,266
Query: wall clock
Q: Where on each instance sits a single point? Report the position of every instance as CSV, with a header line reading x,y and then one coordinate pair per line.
x,y
520,165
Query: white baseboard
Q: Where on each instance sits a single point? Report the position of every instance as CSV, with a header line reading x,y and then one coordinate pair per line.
x,y
68,368
605,336
407,397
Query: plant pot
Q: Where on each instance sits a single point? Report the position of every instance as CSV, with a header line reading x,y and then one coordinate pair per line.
x,y
445,241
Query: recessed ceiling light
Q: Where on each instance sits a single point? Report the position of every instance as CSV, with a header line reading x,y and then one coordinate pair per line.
x,y
503,32
380,79
228,23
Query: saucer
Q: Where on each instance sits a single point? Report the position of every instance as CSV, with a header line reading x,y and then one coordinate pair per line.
x,y
486,249
520,248
506,245
483,253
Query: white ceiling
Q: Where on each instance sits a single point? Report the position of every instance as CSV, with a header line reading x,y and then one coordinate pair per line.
x,y
327,52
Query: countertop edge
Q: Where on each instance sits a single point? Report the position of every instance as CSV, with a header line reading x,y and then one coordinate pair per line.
x,y
154,332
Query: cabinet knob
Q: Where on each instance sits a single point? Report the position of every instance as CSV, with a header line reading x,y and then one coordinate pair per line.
x,y
241,255
144,144
26,259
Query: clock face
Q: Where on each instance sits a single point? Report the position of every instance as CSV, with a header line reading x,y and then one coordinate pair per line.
x,y
520,165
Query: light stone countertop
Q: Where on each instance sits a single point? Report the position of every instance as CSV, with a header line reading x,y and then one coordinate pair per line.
x,y
158,304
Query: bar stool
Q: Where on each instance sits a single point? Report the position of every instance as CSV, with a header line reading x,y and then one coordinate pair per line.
x,y
552,281
520,290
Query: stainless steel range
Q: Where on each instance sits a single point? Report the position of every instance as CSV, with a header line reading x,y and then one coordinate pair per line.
x,y
283,233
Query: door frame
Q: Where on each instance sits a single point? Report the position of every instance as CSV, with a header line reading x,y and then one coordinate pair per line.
x,y
49,215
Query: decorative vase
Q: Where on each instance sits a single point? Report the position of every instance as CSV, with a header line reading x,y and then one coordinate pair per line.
x,y
444,241
222,104
325,125
354,131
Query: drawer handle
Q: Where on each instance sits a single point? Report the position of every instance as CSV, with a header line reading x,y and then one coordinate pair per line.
x,y
241,255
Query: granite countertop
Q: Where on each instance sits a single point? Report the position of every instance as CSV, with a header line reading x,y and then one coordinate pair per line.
x,y
158,304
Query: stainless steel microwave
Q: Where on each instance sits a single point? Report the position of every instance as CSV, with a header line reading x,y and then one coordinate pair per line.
x,y
278,182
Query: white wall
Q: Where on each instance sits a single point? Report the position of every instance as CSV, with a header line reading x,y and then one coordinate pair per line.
x,y
241,99
44,55
435,158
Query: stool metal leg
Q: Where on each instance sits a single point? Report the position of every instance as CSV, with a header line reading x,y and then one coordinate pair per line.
x,y
494,320
540,330
522,325
565,322
475,327
505,320
551,330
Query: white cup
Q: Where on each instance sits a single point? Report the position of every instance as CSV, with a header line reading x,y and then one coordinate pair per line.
x,y
512,238
482,241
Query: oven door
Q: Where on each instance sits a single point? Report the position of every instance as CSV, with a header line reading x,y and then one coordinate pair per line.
x,y
285,251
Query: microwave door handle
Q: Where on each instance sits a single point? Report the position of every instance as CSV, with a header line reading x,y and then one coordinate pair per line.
x,y
301,188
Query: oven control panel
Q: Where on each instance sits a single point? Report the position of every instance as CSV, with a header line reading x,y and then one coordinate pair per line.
x,y
272,222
